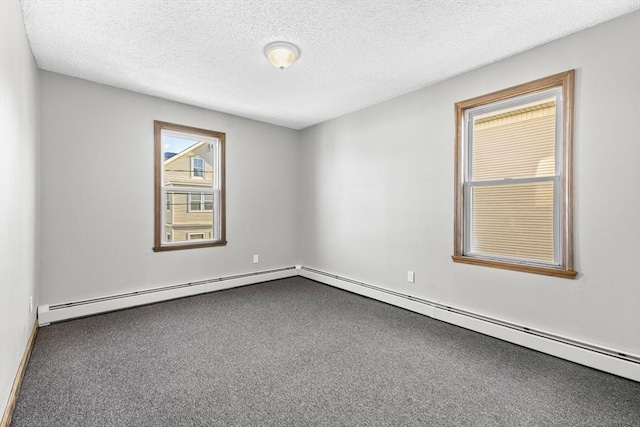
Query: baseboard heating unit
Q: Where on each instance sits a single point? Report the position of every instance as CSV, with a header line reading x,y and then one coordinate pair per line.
x,y
598,357
605,359
59,312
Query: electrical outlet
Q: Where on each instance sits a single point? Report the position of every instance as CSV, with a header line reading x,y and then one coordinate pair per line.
x,y
30,304
411,276
256,259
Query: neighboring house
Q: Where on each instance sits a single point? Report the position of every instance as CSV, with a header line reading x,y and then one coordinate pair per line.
x,y
189,214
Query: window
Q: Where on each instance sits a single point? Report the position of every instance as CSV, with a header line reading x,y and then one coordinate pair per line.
x,y
195,201
513,184
200,202
189,187
197,167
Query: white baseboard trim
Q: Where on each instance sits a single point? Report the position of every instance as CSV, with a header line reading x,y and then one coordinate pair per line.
x,y
604,359
59,312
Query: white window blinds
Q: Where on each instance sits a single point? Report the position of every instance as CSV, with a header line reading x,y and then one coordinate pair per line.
x,y
512,182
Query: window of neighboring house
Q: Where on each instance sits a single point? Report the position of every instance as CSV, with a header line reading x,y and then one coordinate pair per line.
x,y
200,202
513,184
189,176
197,167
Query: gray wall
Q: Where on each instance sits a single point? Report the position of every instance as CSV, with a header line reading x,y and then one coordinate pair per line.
x,y
18,193
367,196
97,193
376,194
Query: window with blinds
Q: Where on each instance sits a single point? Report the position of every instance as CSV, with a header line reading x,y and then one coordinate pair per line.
x,y
512,183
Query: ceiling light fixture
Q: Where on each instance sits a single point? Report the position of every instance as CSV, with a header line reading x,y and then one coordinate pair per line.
x,y
282,54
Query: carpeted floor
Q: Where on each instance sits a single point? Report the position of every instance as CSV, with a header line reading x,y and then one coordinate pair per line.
x,y
299,353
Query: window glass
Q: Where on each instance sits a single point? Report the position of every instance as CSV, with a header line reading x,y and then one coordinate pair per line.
x,y
513,178
195,200
198,167
190,185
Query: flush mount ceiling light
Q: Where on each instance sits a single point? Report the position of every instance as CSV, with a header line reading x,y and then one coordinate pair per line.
x,y
281,54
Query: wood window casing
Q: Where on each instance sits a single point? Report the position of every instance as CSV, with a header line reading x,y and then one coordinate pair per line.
x,y
159,206
565,268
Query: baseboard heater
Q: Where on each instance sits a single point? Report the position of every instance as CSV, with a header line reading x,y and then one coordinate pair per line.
x,y
598,357
59,312
628,366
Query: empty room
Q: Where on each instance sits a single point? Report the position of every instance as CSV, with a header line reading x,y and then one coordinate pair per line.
x,y
323,212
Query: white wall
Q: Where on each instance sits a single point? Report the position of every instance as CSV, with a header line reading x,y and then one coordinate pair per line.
x,y
97,193
376,194
18,192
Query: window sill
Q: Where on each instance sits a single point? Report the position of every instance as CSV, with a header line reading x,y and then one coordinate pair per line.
x,y
188,246
547,271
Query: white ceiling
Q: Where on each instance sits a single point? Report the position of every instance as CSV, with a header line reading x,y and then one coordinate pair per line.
x,y
355,53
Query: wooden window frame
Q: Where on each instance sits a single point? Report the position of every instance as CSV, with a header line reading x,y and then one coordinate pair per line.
x,y
159,126
565,81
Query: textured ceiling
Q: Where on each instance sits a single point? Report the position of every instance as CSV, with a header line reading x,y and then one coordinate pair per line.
x,y
355,53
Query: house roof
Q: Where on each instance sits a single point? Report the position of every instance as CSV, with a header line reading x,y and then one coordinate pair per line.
x,y
184,152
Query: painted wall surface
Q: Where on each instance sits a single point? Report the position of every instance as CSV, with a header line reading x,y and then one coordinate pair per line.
x,y
97,193
18,193
376,194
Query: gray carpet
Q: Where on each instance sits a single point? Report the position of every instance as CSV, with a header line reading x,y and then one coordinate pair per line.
x,y
296,352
